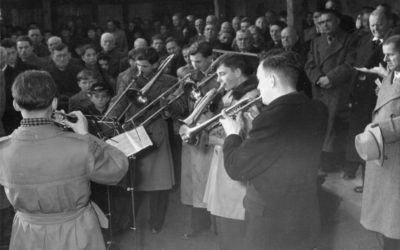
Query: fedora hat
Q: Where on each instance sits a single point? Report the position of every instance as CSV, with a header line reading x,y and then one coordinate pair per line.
x,y
369,144
390,129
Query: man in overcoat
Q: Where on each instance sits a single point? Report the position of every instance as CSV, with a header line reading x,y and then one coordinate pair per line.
x,y
329,69
279,161
46,172
154,170
362,93
224,196
381,199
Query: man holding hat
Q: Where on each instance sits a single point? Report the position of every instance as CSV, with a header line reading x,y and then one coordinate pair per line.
x,y
381,198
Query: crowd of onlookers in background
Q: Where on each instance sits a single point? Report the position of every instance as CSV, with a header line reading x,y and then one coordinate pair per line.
x,y
87,62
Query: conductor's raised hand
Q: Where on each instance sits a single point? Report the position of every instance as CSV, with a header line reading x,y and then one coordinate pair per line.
x,y
380,70
230,125
81,125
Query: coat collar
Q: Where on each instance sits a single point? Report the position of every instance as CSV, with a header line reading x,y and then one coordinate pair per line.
x,y
292,98
250,84
337,44
36,132
387,92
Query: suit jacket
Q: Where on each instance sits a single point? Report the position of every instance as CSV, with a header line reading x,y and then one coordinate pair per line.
x,y
279,161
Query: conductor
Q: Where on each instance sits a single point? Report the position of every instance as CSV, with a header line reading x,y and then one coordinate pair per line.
x,y
279,160
46,172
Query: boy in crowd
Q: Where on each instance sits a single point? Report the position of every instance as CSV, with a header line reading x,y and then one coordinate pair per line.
x,y
81,100
99,96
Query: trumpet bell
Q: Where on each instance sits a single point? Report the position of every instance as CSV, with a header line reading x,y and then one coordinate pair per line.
x,y
184,132
137,98
187,135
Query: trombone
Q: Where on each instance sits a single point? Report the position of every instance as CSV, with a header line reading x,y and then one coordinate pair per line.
x,y
137,93
228,52
164,94
138,97
187,133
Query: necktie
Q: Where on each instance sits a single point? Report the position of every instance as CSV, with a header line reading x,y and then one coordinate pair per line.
x,y
376,43
329,38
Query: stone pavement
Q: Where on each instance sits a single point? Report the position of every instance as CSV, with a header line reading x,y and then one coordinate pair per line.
x,y
341,230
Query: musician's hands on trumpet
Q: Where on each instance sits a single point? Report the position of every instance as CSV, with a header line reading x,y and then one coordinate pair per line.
x,y
232,125
74,120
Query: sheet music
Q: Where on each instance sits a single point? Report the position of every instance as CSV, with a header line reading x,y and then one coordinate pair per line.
x,y
132,141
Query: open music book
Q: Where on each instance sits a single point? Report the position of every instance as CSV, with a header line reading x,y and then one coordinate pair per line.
x,y
132,141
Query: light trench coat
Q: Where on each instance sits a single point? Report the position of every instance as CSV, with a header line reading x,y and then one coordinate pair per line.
x,y
46,173
381,197
224,196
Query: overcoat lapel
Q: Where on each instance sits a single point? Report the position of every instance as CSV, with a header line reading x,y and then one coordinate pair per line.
x,y
388,92
327,50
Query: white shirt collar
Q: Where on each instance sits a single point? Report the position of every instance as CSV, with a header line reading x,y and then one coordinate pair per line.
x,y
376,39
396,75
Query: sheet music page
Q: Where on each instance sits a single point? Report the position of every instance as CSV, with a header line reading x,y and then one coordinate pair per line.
x,y
131,142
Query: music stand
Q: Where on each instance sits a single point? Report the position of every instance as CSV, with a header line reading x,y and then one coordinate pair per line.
x,y
106,129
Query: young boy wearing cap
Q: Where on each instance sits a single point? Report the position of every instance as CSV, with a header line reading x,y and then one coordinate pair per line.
x,y
81,101
99,97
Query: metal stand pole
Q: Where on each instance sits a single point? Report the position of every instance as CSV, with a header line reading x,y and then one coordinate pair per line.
x,y
110,242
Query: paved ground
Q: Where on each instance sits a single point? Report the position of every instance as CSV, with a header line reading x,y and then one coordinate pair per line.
x,y
342,230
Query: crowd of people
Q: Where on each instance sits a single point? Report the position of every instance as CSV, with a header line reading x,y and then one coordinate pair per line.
x,y
319,88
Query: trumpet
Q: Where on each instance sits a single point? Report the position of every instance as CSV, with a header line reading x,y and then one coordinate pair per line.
x,y
193,89
59,117
187,133
202,104
138,97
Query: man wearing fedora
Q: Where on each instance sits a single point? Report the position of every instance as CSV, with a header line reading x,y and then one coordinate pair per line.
x,y
381,198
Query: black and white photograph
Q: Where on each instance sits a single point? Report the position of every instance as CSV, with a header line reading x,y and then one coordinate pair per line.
x,y
199,125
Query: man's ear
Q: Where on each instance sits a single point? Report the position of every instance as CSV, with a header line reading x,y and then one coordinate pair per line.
x,y
155,65
54,103
16,106
237,72
273,80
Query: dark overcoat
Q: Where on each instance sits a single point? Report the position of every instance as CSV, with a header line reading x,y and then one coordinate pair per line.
x,y
333,60
279,162
362,92
154,166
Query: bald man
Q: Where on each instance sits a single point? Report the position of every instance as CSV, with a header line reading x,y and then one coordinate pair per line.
x,y
140,43
289,38
107,43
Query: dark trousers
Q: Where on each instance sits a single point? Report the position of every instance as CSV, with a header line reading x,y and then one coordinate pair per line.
x,y
230,233
158,201
200,219
391,244
6,220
